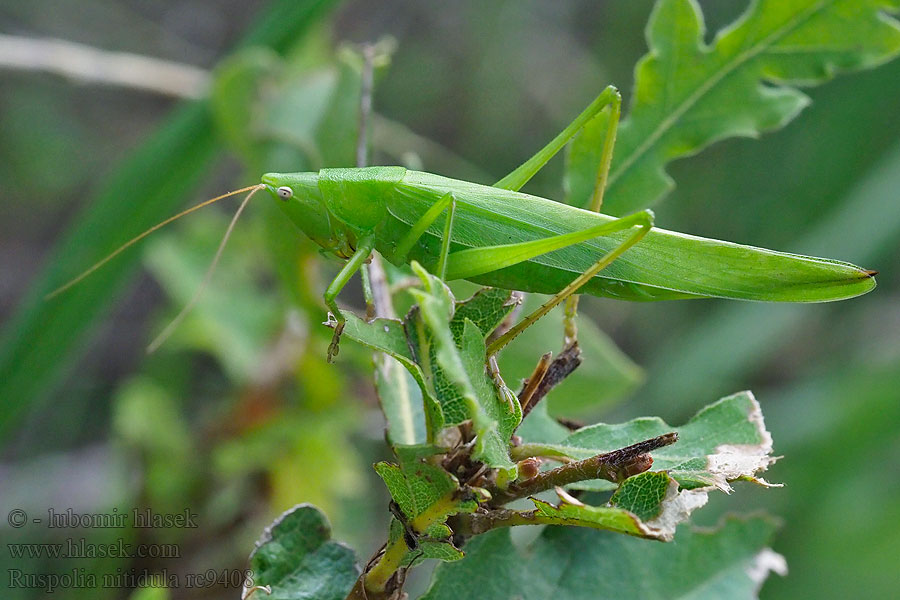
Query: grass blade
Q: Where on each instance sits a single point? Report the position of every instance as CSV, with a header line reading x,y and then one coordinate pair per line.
x,y
39,341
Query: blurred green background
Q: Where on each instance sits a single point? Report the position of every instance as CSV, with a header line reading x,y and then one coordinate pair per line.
x,y
237,417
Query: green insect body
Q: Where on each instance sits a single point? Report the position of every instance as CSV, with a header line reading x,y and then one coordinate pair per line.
x,y
339,207
498,236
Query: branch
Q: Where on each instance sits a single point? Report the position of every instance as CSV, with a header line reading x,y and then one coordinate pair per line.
x,y
92,65
613,466
468,525
548,375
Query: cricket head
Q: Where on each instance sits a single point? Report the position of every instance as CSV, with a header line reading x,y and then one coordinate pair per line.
x,y
299,196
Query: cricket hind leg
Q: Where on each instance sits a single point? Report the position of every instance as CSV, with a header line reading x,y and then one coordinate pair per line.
x,y
364,248
611,98
643,219
472,262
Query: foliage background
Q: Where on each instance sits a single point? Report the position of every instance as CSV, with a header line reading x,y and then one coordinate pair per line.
x,y
198,425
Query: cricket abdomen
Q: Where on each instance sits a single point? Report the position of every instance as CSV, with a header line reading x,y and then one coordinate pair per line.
x,y
664,265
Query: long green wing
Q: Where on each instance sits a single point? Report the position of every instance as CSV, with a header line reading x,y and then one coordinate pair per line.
x,y
665,265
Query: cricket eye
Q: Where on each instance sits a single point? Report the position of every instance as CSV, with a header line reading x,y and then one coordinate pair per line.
x,y
284,192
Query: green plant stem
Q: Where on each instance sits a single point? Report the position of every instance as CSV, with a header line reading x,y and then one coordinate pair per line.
x,y
435,513
524,451
613,466
377,578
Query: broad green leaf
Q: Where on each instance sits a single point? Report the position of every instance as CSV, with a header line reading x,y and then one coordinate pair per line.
x,y
688,94
297,558
725,441
731,561
38,342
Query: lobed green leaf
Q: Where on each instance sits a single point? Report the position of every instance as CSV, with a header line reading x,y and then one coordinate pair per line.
x,y
423,490
689,94
649,505
459,377
414,484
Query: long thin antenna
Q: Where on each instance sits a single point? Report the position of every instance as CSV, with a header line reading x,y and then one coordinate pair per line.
x,y
138,238
164,335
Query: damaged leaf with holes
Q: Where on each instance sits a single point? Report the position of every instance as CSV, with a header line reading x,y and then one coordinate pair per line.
x,y
725,442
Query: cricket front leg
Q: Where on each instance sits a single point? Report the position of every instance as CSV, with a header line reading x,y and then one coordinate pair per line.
x,y
609,97
364,248
441,268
